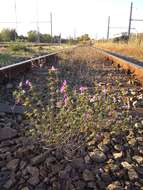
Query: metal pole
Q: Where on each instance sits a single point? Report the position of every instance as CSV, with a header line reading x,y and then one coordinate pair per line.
x,y
60,38
15,8
130,20
37,14
108,28
74,34
51,22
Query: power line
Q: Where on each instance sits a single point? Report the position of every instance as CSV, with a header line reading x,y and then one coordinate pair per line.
x,y
137,19
113,27
9,22
37,22
132,19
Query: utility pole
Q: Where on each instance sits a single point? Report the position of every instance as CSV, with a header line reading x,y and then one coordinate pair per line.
x,y
37,15
51,22
74,35
15,9
130,20
108,28
38,33
60,40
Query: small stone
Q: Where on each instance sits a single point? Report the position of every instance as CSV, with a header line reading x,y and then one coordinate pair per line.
x,y
140,148
132,175
118,147
118,155
114,186
50,160
25,188
132,141
23,152
13,164
65,174
78,163
126,165
7,133
19,118
104,148
98,156
106,177
59,155
138,159
91,143
88,175
2,164
34,180
43,172
2,114
41,186
140,170
114,168
33,171
8,185
87,159
80,184
100,183
92,185
22,164
9,86
38,159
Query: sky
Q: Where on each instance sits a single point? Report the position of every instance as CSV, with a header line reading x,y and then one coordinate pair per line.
x,y
71,18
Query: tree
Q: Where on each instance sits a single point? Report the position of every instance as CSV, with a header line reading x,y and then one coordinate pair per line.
x,y
45,38
32,36
8,35
22,38
83,38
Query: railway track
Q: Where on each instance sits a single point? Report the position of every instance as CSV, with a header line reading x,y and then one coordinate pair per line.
x,y
106,155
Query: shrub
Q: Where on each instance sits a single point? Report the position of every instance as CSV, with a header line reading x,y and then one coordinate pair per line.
x,y
64,112
20,47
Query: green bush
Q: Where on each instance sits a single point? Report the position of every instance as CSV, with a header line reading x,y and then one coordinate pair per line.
x,y
20,47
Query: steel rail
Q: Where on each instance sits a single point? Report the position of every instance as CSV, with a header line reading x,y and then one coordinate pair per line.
x,y
127,63
11,71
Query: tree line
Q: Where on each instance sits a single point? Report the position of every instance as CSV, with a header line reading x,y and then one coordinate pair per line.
x,y
8,35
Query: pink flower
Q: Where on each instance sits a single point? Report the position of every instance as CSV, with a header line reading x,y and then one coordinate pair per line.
x,y
82,89
63,87
20,84
65,82
65,99
28,83
53,68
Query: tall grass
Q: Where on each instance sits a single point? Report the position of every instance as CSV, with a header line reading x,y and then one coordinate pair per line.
x,y
133,48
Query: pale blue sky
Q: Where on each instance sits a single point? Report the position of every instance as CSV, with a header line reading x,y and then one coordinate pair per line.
x,y
72,16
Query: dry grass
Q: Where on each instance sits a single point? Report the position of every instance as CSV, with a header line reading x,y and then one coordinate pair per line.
x,y
130,49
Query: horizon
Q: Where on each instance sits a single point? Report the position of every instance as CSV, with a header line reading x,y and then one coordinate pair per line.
x,y
72,18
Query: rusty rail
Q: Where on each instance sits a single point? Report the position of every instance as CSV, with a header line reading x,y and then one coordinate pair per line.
x,y
134,68
11,71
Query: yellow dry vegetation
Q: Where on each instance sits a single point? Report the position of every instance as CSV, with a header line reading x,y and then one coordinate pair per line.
x,y
129,49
